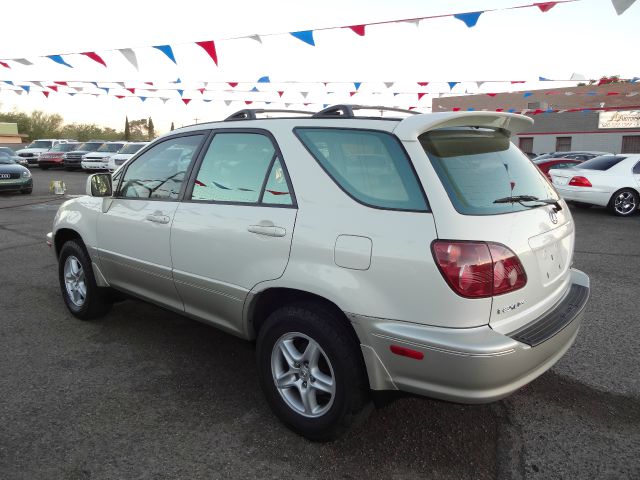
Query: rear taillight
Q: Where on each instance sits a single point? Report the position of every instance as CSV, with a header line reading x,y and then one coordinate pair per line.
x,y
479,269
580,182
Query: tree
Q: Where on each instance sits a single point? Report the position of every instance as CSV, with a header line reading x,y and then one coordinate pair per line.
x,y
151,131
139,129
172,127
35,125
127,131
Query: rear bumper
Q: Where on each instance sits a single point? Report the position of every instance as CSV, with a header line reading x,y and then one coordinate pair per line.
x,y
584,195
469,365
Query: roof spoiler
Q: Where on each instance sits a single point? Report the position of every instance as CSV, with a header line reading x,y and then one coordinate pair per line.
x,y
410,128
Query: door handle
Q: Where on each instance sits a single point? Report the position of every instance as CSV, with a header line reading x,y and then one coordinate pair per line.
x,y
267,228
157,217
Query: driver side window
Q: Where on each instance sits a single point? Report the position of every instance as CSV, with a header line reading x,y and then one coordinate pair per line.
x,y
160,171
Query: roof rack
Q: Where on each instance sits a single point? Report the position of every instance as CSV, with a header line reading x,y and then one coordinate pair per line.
x,y
250,113
346,111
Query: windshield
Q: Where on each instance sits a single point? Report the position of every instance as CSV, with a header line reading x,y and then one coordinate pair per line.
x,y
132,148
90,146
6,161
65,147
110,147
479,166
40,144
601,163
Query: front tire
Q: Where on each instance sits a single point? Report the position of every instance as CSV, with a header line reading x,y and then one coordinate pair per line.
x,y
84,299
624,202
26,191
311,371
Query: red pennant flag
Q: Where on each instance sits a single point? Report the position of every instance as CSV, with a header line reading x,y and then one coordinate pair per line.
x,y
423,84
545,6
412,108
201,90
149,83
64,84
306,104
456,109
280,93
516,81
53,87
5,65
186,101
210,47
132,90
359,29
233,84
612,93
499,109
537,111
248,102
351,94
492,94
119,96
95,57
420,95
46,94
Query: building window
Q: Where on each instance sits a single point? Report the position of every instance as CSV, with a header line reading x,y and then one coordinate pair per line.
x,y
533,105
631,144
526,144
563,144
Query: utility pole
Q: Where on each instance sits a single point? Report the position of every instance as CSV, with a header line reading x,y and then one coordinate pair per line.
x,y
196,119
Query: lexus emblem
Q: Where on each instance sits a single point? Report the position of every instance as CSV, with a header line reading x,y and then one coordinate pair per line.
x,y
553,216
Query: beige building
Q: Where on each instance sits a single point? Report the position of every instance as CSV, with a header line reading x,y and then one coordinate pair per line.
x,y
9,133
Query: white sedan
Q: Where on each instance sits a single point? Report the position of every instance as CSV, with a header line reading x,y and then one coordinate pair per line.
x,y
611,181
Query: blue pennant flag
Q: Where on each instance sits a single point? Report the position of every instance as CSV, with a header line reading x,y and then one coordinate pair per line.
x,y
452,84
95,84
58,59
267,103
511,110
549,110
592,93
72,94
527,94
105,89
634,79
166,49
142,98
26,88
220,186
306,36
357,85
8,82
396,93
180,92
542,79
208,100
470,109
264,80
254,89
470,18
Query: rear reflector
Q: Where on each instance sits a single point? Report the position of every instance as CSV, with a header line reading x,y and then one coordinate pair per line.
x,y
580,182
478,269
406,352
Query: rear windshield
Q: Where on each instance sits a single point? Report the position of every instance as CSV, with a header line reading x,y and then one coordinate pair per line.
x,y
132,148
601,163
90,146
40,144
370,166
479,166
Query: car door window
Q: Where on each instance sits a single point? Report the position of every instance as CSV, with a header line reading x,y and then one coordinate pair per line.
x,y
235,168
636,169
159,172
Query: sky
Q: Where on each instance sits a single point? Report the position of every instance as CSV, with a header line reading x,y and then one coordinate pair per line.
x,y
586,37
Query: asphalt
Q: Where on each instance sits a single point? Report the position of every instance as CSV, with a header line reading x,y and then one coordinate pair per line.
x,y
144,393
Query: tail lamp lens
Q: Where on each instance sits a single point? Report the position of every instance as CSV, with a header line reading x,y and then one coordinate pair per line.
x,y
580,182
479,269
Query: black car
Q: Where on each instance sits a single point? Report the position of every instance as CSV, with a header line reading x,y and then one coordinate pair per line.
x,y
73,159
14,177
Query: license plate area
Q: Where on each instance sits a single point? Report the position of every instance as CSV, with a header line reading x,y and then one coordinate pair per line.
x,y
560,180
551,262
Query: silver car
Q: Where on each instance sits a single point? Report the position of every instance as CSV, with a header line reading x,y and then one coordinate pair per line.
x,y
424,254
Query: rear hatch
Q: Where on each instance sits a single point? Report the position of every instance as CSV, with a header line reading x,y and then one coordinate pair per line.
x,y
482,189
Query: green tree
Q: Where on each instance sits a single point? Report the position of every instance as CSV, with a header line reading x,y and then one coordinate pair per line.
x,y
151,129
139,129
45,125
127,131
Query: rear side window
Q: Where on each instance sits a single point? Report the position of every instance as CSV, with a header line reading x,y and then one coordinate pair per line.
x,y
604,162
479,166
370,166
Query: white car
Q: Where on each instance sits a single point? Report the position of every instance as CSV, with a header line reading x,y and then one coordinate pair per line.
x,y
611,181
362,254
32,152
124,154
99,160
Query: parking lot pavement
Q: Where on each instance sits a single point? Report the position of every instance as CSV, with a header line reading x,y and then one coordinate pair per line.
x,y
145,393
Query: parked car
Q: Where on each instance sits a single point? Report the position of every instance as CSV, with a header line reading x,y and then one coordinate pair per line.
x,y
14,177
424,254
548,163
577,154
6,152
124,154
73,159
99,160
611,181
32,151
55,156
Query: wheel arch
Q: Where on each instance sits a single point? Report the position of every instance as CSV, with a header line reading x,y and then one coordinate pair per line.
x,y
62,236
618,190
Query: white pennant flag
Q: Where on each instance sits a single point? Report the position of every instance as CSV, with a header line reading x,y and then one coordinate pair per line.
x,y
164,100
389,84
37,83
22,61
228,102
304,94
130,55
569,93
577,76
621,5
256,38
480,84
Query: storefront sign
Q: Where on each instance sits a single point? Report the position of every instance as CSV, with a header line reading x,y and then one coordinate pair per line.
x,y
620,119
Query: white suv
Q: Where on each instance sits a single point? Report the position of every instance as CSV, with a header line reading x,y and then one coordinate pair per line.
x,y
424,254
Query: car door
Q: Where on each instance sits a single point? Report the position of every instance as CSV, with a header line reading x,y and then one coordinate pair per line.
x,y
234,227
135,226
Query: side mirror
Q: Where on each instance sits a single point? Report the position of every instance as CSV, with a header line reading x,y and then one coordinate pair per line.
x,y
99,185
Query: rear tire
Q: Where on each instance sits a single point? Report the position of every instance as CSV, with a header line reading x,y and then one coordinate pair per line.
x,y
26,191
311,353
84,299
624,202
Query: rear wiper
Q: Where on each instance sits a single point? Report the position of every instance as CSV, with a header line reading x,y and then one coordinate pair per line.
x,y
530,198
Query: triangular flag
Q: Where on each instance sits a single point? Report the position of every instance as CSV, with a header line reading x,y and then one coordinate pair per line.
x,y
210,47
516,81
499,109
280,93
23,61
58,59
527,94
180,92
351,94
358,29
39,84
120,97
264,80
105,89
254,89
248,102
621,5
306,36
201,90
53,87
423,84
304,94
415,22
95,57
511,110
71,94
5,65
452,84
357,85
130,55
492,94
142,98
46,94
479,84
255,37
470,19
232,84
132,90
78,89
389,84
227,102
186,101
208,100
577,76
8,82
164,100
634,79
545,6
287,105
20,92
95,84
612,93
456,109
166,49
542,79
420,95
149,83
26,88
569,93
